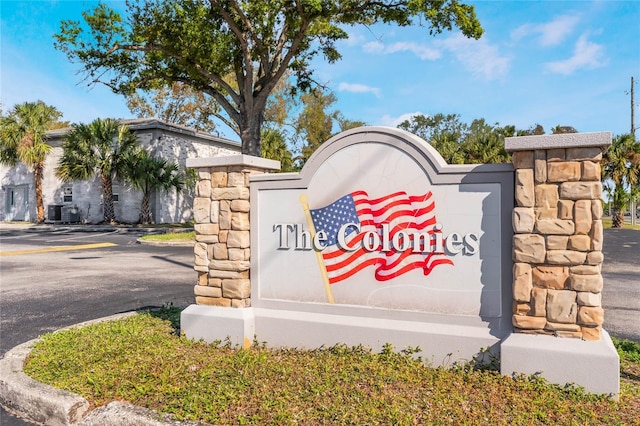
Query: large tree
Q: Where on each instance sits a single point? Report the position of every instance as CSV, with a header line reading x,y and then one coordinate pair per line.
x,y
235,51
23,139
103,148
621,165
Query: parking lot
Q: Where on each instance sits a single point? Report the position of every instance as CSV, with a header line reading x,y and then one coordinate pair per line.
x,y
55,278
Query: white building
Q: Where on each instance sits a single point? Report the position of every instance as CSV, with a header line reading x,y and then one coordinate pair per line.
x,y
81,201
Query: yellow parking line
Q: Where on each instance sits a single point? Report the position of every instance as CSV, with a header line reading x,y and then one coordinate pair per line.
x,y
59,248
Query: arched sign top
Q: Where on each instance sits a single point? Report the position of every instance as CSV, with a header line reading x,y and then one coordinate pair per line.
x,y
412,145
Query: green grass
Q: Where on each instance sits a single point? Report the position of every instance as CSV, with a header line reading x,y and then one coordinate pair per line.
x,y
606,223
171,236
174,226
143,360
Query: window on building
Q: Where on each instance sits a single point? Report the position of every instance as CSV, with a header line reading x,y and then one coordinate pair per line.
x,y
116,193
67,194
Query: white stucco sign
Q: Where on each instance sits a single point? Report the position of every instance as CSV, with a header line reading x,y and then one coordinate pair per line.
x,y
376,219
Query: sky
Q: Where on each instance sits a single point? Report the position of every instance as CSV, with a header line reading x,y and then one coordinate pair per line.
x,y
552,63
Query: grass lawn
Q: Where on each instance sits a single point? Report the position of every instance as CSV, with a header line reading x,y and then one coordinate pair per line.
x,y
606,223
176,236
143,360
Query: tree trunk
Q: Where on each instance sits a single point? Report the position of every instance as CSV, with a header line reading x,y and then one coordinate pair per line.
x,y
146,216
617,218
250,134
37,177
107,199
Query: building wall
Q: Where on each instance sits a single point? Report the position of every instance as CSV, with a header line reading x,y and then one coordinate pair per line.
x,y
174,207
87,195
13,177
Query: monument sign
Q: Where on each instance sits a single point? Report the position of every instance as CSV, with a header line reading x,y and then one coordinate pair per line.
x,y
377,240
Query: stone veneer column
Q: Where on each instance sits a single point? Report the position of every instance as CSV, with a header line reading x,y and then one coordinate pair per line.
x,y
557,246
221,215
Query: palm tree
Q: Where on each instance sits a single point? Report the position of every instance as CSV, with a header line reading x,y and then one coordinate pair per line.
x,y
23,138
449,148
148,174
274,147
99,148
621,164
486,149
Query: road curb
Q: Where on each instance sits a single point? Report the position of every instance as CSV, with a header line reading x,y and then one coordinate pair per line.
x,y
33,400
122,414
44,404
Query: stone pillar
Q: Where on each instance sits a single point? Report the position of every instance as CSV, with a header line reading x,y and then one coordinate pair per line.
x,y
557,243
221,214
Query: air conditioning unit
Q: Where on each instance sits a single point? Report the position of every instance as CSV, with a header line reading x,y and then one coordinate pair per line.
x,y
54,212
70,214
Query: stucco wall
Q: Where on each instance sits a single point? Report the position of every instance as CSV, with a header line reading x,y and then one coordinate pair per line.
x,y
87,196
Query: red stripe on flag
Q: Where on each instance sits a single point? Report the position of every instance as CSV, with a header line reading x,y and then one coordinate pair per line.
x,y
411,214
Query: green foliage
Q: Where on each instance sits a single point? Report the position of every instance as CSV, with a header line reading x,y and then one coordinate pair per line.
x,y
23,133
140,359
234,51
171,237
317,122
300,124
563,129
274,147
458,142
23,139
148,174
628,350
621,165
103,148
534,130
178,104
314,124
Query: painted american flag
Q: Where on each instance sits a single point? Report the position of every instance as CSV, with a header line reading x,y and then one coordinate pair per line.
x,y
402,212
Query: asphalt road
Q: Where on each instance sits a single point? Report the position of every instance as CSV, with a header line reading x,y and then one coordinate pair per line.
x,y
45,290
621,292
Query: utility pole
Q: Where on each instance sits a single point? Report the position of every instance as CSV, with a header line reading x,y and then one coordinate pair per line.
x,y
633,127
633,135
632,206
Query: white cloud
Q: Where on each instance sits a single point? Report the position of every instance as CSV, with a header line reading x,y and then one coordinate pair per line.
x,y
552,33
355,39
479,57
422,52
387,120
358,88
373,47
585,55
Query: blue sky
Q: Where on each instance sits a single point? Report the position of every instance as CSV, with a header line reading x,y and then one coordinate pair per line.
x,y
547,62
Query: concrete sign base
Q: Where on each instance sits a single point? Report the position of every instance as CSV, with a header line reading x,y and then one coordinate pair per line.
x,y
594,365
309,330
